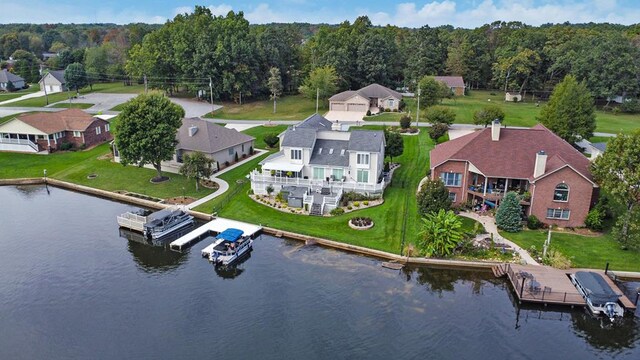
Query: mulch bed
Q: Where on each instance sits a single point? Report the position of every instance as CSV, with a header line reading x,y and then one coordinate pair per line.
x,y
180,200
209,184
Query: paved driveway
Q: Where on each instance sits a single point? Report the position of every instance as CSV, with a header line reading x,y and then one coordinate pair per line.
x,y
102,101
26,96
345,115
194,108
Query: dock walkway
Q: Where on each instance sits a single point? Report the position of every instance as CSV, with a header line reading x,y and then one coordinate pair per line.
x,y
215,226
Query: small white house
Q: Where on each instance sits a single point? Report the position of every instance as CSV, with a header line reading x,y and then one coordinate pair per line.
x,y
53,82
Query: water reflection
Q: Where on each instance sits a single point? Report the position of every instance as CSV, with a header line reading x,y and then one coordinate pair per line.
x,y
30,191
153,256
234,270
602,334
437,281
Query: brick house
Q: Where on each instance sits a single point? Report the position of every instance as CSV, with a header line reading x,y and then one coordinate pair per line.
x,y
47,131
482,166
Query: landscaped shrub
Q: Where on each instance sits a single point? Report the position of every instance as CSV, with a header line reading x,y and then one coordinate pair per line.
x,y
271,139
386,166
616,110
251,150
557,260
387,109
270,189
433,197
337,211
437,130
533,223
66,146
244,156
402,105
356,204
594,220
226,163
366,203
368,112
405,121
236,157
630,106
349,207
509,214
354,196
279,197
361,221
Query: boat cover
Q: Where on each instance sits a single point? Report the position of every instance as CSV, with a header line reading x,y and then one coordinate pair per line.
x,y
231,235
597,288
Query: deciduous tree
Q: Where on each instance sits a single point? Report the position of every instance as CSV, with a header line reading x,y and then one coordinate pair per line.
x,y
394,144
146,131
275,85
75,77
432,92
440,115
196,166
487,114
322,80
433,197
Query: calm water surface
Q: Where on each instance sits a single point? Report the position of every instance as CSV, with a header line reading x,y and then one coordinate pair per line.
x,y
72,288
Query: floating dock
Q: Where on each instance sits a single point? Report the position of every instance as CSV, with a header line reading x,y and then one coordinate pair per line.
x,y
214,227
547,285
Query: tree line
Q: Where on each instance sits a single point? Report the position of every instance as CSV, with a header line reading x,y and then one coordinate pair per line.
x,y
190,49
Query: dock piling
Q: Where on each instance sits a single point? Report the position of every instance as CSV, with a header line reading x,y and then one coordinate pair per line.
x,y
606,269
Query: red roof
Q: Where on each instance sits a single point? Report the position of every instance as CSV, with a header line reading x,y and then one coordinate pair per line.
x,y
514,155
53,122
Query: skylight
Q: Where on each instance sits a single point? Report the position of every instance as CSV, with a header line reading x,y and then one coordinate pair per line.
x,y
330,151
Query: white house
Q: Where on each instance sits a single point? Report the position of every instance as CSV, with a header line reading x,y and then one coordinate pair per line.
x,y
325,162
53,81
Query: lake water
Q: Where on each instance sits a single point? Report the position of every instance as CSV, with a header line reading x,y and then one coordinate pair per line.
x,y
72,288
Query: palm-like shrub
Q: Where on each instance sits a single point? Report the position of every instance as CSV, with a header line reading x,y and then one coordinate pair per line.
x,y
440,233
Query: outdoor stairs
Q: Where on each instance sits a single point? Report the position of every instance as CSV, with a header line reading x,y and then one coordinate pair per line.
x,y
316,209
499,270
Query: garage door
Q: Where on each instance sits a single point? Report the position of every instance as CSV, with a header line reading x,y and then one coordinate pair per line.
x,y
357,107
337,106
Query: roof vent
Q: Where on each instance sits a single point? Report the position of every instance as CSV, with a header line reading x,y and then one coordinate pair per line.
x,y
192,130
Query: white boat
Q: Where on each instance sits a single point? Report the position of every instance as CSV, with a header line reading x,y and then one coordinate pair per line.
x,y
228,247
158,224
600,298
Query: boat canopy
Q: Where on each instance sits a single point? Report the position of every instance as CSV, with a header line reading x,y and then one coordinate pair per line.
x,y
231,235
596,287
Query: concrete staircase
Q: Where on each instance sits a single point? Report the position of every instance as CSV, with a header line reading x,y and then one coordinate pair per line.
x,y
316,209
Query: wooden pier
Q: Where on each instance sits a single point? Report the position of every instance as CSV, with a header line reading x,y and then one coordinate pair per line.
x,y
547,285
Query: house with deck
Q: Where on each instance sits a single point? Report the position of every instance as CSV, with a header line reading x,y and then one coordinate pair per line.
x,y
46,132
318,162
553,177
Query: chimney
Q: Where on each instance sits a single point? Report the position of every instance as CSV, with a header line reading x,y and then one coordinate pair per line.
x,y
336,126
495,130
192,130
541,164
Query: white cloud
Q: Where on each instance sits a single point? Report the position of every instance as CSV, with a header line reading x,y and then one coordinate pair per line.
x,y
220,10
263,14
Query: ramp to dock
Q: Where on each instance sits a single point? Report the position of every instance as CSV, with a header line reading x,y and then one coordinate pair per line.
x,y
214,226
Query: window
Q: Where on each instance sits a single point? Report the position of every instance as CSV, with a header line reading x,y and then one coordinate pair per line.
x,y
391,103
363,176
76,134
230,151
318,173
107,127
296,154
338,174
452,196
562,214
561,193
98,130
242,147
363,159
451,179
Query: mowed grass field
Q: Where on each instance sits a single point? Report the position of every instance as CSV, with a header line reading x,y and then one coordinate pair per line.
x,y
291,107
116,88
517,114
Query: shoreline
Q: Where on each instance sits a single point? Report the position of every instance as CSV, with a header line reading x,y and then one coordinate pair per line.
x,y
332,244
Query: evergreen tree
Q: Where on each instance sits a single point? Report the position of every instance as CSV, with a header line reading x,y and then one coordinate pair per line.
x,y
509,214
394,144
275,85
570,112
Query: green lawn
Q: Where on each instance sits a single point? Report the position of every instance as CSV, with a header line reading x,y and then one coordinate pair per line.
x,y
63,96
292,107
4,96
65,105
75,166
118,107
584,251
259,132
387,233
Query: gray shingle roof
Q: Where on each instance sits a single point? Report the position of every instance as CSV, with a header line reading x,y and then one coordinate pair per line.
x,y
369,91
330,152
366,140
58,75
271,157
602,146
315,121
299,137
6,76
209,138
342,96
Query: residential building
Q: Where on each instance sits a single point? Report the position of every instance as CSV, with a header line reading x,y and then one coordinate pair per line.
x,y
46,131
7,77
324,162
53,81
222,144
455,83
371,97
553,176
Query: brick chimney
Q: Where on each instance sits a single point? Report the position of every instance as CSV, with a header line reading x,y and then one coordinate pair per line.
x,y
495,130
541,164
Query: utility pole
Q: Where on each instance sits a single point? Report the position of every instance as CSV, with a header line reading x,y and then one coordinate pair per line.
x,y
44,85
317,98
418,109
211,92
145,83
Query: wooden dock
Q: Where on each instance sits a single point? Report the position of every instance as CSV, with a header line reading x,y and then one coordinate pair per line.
x,y
547,285
215,226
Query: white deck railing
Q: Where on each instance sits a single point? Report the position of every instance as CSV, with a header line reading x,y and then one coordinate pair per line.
x,y
257,177
19,142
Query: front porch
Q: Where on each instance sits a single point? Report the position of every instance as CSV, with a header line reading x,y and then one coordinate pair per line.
x,y
491,190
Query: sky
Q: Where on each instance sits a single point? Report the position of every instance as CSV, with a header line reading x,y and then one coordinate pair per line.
x,y
459,13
